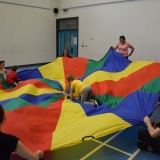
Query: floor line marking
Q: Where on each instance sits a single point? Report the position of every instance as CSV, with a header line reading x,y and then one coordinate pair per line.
x,y
134,154
115,135
100,146
91,152
117,149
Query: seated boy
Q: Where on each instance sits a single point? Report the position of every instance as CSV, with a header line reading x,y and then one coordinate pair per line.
x,y
11,77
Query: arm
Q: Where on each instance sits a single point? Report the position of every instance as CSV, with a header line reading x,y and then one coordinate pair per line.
x,y
16,77
65,93
154,132
132,50
24,152
71,94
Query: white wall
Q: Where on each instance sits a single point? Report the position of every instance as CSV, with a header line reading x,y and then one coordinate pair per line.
x,y
101,25
27,34
80,3
35,3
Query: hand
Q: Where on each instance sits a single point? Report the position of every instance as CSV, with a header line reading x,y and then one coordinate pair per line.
x,y
64,93
40,154
16,84
146,119
20,82
112,47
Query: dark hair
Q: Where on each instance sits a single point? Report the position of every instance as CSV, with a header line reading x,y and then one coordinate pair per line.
x,y
123,37
1,113
70,77
67,51
2,62
14,68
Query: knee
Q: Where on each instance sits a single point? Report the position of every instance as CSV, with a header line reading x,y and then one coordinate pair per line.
x,y
142,132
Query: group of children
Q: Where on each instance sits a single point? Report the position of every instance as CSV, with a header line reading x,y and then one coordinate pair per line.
x,y
77,87
11,77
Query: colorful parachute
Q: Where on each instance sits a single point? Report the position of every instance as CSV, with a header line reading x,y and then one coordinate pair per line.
x,y
43,118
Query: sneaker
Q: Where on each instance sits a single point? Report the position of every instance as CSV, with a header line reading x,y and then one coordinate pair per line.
x,y
92,104
98,101
95,103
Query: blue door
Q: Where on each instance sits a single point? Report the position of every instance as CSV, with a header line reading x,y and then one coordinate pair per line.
x,y
68,40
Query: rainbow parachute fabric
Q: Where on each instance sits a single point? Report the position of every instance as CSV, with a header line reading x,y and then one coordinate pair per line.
x,y
43,118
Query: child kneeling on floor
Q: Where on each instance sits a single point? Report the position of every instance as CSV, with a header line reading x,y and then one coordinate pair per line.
x,y
82,90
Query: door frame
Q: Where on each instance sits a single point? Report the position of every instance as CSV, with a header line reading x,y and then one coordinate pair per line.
x,y
58,30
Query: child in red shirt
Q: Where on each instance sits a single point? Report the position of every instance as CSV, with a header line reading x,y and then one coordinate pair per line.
x,y
11,77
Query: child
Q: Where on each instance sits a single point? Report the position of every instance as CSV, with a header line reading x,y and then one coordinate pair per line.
x,y
11,77
2,69
82,90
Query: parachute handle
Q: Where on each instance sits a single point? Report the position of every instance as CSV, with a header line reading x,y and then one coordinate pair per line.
x,y
87,137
